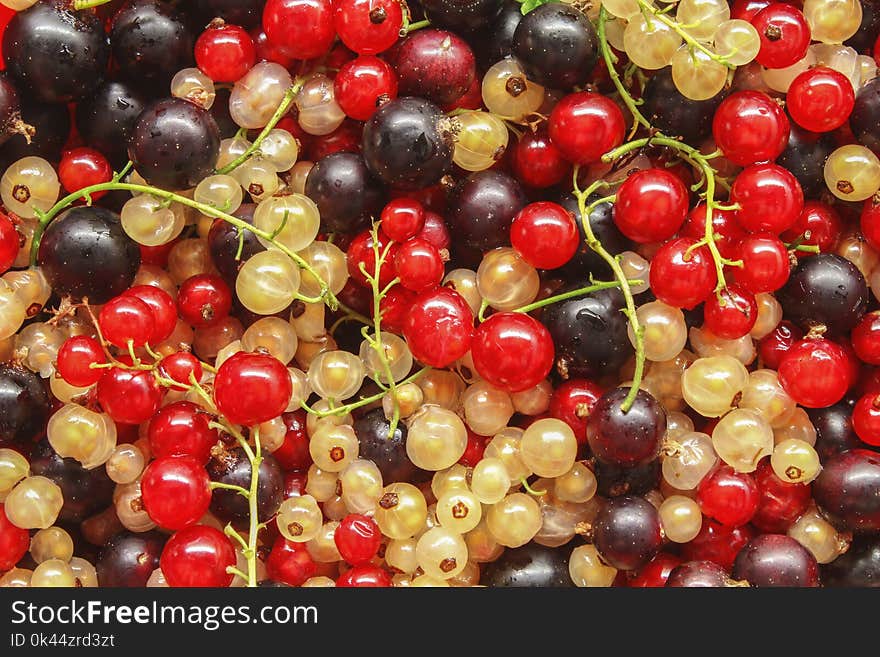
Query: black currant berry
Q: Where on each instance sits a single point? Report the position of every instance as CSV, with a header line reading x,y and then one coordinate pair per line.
x,y
615,481
805,157
224,240
408,143
626,532
387,452
51,124
531,565
434,64
106,117
482,209
585,260
674,114
461,14
556,45
834,430
495,41
24,405
346,193
848,490
233,467
85,253
858,566
174,144
865,117
10,109
698,574
58,54
776,560
246,13
128,559
628,438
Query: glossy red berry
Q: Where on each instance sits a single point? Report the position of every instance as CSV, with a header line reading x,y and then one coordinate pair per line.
x,y
572,402
303,28
473,452
268,51
176,491
545,235
204,300
363,85
435,231
770,198
10,243
14,542
129,396
815,372
870,222
774,346
294,451
780,503
728,496
866,419
536,162
419,265
362,252
866,338
749,127
394,307
586,125
820,99
125,320
765,263
163,309
682,274
290,563
402,218
654,573
197,556
512,351
784,33
252,388
439,328
157,255
435,64
368,26
726,228
364,577
717,543
225,52
357,538
181,429
818,225
651,206
75,359
82,167
181,366
731,313
745,10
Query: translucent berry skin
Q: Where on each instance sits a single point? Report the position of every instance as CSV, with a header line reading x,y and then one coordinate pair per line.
x,y
866,338
419,265
729,497
765,263
74,360
820,99
545,235
866,419
394,307
252,388
126,319
847,490
774,346
225,53
512,351
439,327
14,542
364,577
682,276
361,251
179,366
363,85
655,573
368,26
290,563
83,167
163,309
181,429
776,560
204,300
197,556
870,222
770,198
728,232
435,64
10,242
749,127
129,396
651,206
626,439
732,313
585,125
780,502
717,543
357,538
818,225
784,34
572,402
304,28
815,373
175,491
537,162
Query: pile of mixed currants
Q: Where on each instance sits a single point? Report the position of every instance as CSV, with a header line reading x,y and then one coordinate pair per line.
x,y
439,293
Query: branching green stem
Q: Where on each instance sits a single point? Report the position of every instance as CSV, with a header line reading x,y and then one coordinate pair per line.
x,y
595,287
366,401
610,62
650,11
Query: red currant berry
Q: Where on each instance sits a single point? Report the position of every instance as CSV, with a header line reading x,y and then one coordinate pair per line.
x,y
536,162
512,351
225,52
197,556
176,491
368,26
818,225
749,127
439,327
866,419
303,28
866,338
731,313
545,235
181,366
357,538
14,542
820,99
717,543
774,346
815,373
125,320
394,307
129,396
728,496
361,252
770,198
252,388
269,52
745,10
10,243
157,255
364,576
83,167
784,34
586,125
204,300
402,219
363,85
654,573
75,359
181,429
290,563
651,206
473,452
419,265
435,231
294,451
870,222
727,230
780,503
572,402
765,263
682,274
162,306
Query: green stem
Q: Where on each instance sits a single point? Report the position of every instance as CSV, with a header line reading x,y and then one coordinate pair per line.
x,y
595,287
418,25
648,8
530,490
88,4
219,484
366,401
610,60
279,114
